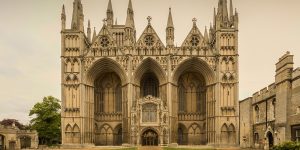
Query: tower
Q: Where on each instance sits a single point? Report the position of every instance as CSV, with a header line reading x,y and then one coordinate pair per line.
x,y
119,90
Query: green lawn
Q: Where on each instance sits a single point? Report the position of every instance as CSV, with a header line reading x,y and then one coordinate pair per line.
x,y
178,148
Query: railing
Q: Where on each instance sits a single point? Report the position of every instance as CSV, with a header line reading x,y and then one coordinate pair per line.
x,y
108,116
191,116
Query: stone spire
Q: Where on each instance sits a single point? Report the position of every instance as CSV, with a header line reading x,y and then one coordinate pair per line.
x,y
94,34
231,11
89,32
223,11
130,33
206,38
170,30
63,18
170,19
78,17
130,16
109,14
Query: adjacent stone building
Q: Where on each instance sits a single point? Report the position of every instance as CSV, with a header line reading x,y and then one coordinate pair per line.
x,y
12,138
272,115
118,88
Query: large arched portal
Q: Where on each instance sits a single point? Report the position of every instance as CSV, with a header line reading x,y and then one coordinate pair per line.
x,y
106,84
149,138
194,92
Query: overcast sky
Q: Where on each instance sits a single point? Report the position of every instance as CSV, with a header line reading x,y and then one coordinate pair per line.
x,y
30,41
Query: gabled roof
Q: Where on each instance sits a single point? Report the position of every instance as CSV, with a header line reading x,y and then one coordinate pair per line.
x,y
149,31
194,32
103,32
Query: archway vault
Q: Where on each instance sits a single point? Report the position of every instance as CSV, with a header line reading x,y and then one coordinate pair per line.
x,y
105,65
149,65
194,64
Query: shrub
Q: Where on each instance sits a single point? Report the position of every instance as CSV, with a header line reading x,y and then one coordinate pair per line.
x,y
287,146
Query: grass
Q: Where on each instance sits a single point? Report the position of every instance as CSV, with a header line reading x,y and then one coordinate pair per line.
x,y
178,148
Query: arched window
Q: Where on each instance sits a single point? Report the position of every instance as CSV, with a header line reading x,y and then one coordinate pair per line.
x,y
256,113
181,96
108,94
256,138
191,93
118,98
149,85
149,113
273,108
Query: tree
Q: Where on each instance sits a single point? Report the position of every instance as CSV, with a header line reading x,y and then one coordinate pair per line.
x,y
47,120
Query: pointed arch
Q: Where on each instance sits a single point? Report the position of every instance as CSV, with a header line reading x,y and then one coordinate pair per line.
x,y
196,65
118,135
194,136
105,65
224,134
76,134
149,65
231,134
182,134
68,133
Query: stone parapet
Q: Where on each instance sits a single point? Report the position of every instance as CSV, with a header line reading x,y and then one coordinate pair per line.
x,y
264,93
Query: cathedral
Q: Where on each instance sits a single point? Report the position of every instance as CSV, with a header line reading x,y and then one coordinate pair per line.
x,y
120,89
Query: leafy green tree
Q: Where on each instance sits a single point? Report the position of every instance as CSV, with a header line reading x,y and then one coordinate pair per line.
x,y
46,120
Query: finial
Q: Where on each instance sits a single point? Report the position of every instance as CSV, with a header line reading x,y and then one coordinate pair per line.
x,y
104,21
149,18
194,21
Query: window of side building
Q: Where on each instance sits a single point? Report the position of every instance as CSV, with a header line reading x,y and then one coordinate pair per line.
x,y
296,133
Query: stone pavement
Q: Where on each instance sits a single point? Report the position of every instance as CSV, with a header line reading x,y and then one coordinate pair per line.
x,y
150,148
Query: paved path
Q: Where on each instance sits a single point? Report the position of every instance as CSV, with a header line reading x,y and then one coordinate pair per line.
x,y
149,148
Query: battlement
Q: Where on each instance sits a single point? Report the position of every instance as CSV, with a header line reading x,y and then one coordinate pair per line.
x,y
296,73
264,93
286,59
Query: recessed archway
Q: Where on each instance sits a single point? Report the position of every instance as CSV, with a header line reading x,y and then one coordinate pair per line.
x,y
149,138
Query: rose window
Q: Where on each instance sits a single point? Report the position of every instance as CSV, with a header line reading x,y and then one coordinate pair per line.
x,y
149,40
195,41
104,42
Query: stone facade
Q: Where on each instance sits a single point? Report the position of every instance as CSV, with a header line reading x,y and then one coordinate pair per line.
x,y
120,89
271,116
11,137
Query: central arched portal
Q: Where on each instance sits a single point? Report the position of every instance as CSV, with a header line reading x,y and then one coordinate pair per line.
x,y
149,138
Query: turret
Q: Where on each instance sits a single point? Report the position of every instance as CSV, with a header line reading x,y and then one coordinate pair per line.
x,y
129,26
170,31
109,14
206,38
94,34
78,17
89,32
63,18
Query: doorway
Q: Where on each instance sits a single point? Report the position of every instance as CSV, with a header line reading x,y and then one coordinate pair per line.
x,y
150,138
1,142
271,139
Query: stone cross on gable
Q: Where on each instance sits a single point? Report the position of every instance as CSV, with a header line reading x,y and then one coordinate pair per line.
x,y
194,21
149,18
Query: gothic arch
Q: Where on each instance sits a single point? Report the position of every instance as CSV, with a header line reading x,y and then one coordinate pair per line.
x,y
149,65
231,134
194,134
224,134
118,135
105,136
182,134
105,65
196,65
